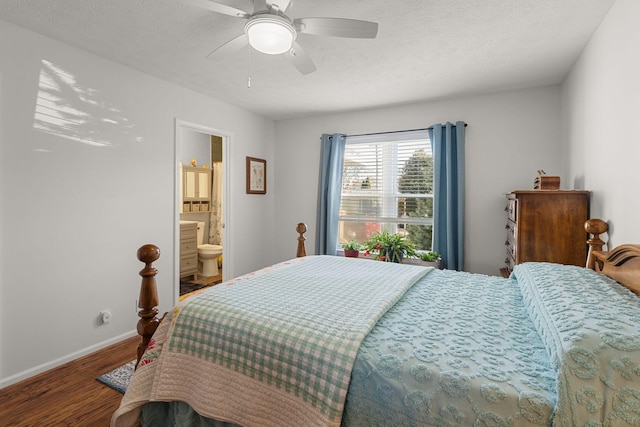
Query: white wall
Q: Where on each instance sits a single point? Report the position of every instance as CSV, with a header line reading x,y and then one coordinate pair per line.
x,y
601,105
75,211
509,137
73,214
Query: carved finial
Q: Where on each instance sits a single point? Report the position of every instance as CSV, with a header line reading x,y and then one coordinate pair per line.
x,y
301,228
148,254
595,227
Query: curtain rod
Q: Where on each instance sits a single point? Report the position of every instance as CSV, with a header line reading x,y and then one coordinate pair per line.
x,y
394,131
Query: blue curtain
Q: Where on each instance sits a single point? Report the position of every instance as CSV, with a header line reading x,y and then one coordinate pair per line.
x,y
447,143
331,162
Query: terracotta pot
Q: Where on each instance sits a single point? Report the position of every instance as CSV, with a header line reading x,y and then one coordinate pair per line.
x,y
351,253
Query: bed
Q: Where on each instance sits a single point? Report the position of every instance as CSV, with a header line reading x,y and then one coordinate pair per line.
x,y
331,341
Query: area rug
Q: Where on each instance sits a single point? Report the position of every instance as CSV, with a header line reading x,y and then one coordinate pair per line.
x,y
188,287
119,378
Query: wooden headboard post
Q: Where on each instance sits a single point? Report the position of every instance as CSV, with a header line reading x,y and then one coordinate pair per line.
x,y
595,227
301,228
148,301
621,263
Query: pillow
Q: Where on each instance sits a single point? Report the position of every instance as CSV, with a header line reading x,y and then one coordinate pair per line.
x,y
589,326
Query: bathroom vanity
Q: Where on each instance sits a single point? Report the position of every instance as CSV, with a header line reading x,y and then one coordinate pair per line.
x,y
188,249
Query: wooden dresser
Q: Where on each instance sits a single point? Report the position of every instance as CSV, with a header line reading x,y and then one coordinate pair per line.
x,y
189,250
546,225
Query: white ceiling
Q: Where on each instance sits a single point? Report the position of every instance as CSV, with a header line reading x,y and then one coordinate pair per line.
x,y
425,49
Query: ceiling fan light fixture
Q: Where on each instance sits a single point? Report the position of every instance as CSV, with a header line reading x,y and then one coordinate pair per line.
x,y
270,34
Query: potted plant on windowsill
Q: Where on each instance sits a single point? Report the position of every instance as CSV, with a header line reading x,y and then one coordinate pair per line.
x,y
428,259
352,249
389,247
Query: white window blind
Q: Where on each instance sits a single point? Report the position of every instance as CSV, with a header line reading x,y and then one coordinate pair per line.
x,y
387,184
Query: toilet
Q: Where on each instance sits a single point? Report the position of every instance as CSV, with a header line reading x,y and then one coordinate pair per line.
x,y
207,255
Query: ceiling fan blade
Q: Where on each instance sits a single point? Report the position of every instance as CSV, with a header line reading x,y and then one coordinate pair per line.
x,y
299,58
219,8
229,47
259,5
337,27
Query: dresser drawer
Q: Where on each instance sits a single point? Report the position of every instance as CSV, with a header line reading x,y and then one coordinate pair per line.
x,y
188,246
511,245
512,208
512,229
188,265
188,262
509,262
188,232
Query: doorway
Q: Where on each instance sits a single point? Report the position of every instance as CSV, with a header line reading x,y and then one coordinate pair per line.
x,y
201,203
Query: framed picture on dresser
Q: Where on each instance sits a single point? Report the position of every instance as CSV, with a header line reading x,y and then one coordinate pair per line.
x,y
256,176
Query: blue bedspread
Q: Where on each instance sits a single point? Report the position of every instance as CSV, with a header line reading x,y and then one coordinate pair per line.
x,y
552,345
458,349
589,325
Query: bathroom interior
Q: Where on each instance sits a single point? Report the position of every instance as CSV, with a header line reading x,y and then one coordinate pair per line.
x,y
201,225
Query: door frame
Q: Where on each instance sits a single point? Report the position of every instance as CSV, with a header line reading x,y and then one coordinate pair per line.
x,y
226,136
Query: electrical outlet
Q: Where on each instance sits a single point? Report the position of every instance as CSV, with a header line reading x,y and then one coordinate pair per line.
x,y
105,316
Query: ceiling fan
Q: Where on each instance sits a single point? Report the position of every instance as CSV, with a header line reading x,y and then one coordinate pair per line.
x,y
270,31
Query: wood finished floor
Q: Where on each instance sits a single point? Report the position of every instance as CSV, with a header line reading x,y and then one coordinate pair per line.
x,y
68,395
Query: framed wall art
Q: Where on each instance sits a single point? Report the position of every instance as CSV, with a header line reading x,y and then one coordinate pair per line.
x,y
256,176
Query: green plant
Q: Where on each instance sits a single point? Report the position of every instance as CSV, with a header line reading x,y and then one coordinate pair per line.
x,y
389,247
352,245
429,256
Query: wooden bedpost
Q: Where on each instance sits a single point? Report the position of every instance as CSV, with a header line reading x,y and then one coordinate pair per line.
x,y
301,229
595,227
148,300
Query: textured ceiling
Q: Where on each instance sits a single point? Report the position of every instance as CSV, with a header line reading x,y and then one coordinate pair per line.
x,y
425,49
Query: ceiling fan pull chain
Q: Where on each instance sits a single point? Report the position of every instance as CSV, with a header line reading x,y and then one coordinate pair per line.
x,y
249,69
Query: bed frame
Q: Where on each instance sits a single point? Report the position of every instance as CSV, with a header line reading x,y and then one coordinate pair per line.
x,y
148,300
621,264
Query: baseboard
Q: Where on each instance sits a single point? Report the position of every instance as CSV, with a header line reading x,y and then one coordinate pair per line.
x,y
5,382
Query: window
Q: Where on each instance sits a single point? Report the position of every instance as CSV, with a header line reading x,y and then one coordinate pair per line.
x,y
387,184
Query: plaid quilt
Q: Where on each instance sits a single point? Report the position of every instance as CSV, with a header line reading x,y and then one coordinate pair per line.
x,y
276,347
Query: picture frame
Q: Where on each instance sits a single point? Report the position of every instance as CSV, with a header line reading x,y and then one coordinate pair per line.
x,y
256,176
